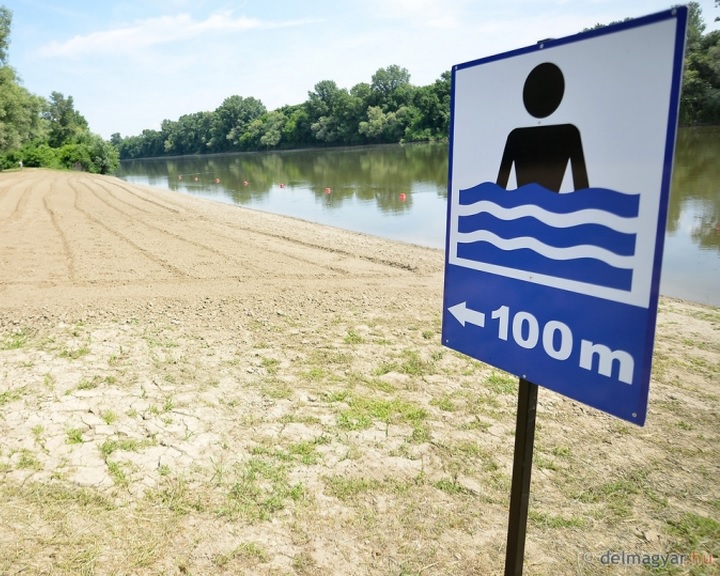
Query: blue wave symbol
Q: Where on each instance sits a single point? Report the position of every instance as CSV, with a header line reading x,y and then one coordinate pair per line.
x,y
587,236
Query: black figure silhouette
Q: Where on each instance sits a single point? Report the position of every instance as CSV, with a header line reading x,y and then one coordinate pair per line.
x,y
541,153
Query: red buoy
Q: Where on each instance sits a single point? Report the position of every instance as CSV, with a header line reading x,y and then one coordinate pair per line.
x,y
402,196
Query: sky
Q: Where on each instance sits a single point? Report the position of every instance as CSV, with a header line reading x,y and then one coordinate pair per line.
x,y
130,64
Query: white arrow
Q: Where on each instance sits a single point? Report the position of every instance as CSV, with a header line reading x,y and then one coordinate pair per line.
x,y
464,314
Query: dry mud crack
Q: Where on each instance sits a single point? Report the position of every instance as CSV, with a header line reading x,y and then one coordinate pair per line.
x,y
194,388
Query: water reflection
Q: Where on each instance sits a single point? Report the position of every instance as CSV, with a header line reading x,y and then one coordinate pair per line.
x,y
696,185
385,175
400,192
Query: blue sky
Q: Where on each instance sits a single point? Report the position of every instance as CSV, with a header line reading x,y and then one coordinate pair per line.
x,y
129,64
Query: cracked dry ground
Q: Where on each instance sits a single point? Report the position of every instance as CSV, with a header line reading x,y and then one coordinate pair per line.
x,y
194,388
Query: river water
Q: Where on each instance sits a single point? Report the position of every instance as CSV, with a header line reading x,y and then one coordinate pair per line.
x,y
400,192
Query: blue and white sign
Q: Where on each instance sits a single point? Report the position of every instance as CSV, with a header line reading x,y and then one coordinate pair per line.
x,y
560,165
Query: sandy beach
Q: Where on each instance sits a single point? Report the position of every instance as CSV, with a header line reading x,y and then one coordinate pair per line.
x,y
188,387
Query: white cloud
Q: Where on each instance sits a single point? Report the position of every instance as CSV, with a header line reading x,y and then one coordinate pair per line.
x,y
157,31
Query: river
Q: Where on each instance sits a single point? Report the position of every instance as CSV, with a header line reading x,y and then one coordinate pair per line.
x,y
400,192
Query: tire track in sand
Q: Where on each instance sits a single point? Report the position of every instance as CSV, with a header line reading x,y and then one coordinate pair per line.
x,y
19,191
281,246
251,241
67,251
162,263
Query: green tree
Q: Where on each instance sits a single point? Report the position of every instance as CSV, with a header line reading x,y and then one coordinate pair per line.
x,y
190,134
104,157
391,88
5,26
297,131
230,121
389,109
66,125
44,132
19,110
386,127
19,113
433,105
323,105
273,125
700,95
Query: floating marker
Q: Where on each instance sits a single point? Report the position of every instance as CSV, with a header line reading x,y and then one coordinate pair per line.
x,y
245,182
402,196
196,178
217,180
328,190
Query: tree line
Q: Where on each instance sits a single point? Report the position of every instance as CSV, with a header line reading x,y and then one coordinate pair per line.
x,y
388,109
36,131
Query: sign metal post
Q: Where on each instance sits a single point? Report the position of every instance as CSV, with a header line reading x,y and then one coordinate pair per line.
x,y
522,470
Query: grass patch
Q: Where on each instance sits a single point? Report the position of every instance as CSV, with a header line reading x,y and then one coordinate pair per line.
x,y
108,416
347,489
126,444
410,363
244,552
115,469
452,487
85,384
552,521
277,390
28,461
37,432
421,433
353,338
271,365
16,340
444,403
363,411
74,436
502,383
302,452
75,353
262,490
174,495
696,532
10,396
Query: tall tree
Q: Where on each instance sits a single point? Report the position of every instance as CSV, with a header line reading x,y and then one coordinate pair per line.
x,y
19,113
325,106
231,119
66,125
700,96
5,26
391,88
19,109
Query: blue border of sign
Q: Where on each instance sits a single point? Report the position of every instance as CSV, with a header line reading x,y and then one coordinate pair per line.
x,y
633,405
